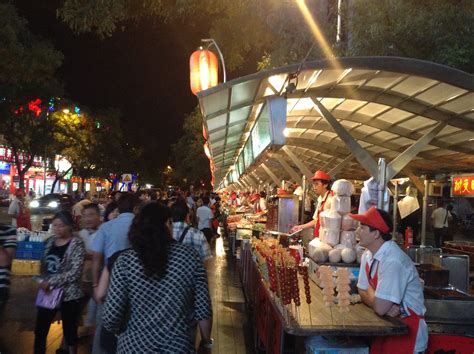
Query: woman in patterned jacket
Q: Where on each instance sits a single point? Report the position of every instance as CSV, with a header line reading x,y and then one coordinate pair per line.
x,y
158,290
62,266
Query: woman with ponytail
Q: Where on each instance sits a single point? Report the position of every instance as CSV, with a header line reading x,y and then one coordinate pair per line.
x,y
158,290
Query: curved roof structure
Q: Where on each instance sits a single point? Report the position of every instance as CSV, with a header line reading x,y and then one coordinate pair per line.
x,y
344,114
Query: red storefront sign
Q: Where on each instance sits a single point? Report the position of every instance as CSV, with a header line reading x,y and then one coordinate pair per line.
x,y
462,186
6,155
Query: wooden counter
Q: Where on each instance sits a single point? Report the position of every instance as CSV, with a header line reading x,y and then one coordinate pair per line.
x,y
317,319
274,323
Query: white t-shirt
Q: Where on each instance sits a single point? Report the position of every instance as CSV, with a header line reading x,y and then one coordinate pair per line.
x,y
204,215
14,209
439,216
398,282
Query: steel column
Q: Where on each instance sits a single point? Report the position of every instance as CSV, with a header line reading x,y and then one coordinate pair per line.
x,y
423,214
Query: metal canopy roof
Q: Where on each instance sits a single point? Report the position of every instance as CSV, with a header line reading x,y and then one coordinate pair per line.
x,y
386,104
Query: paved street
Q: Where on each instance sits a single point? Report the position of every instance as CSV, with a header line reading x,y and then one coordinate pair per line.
x,y
36,219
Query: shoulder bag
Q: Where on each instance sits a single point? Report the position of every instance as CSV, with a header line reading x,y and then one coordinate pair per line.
x,y
52,299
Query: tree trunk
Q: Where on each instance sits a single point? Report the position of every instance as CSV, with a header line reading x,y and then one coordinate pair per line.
x,y
21,175
83,179
56,179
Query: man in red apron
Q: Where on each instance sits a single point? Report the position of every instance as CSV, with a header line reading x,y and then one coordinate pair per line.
x,y
389,283
322,187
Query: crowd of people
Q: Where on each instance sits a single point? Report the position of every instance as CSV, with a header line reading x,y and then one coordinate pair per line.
x,y
131,271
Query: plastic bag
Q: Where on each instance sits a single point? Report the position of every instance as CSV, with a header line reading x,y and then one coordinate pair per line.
x,y
348,223
331,220
348,238
343,187
342,205
332,237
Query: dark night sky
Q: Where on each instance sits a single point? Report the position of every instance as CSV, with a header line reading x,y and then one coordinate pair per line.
x,y
143,71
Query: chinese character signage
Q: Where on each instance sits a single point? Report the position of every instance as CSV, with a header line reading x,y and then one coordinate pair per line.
x,y
462,186
6,155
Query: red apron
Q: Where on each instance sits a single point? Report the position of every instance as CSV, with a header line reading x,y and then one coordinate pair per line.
x,y
318,220
394,344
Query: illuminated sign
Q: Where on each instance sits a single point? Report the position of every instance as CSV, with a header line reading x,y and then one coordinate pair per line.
x,y
462,186
6,155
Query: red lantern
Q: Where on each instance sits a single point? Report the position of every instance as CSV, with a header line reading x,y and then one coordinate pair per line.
x,y
203,67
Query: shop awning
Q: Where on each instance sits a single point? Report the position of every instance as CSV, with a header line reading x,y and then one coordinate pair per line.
x,y
343,114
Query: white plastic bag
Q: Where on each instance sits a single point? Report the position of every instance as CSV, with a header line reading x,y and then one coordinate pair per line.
x,y
343,187
332,220
348,238
341,205
348,223
332,237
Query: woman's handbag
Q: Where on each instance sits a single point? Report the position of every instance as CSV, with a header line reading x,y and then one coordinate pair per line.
x,y
52,299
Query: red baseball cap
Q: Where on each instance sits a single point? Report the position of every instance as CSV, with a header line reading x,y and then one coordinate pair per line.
x,y
321,175
254,197
373,219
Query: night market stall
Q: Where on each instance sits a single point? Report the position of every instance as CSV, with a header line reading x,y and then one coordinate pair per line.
x,y
371,119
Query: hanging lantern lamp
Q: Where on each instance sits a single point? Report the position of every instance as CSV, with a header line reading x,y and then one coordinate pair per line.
x,y
204,68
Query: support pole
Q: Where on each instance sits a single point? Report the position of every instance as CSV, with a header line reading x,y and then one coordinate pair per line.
x,y
303,198
382,183
423,215
395,212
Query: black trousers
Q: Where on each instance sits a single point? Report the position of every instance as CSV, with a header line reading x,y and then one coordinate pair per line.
x,y
208,234
70,315
438,235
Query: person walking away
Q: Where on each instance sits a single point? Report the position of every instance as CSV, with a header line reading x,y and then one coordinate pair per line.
x,y
204,217
62,266
18,210
111,211
322,187
185,234
111,237
389,283
159,289
7,253
90,219
440,217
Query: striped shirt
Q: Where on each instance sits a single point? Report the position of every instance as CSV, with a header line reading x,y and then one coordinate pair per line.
x,y
193,238
7,241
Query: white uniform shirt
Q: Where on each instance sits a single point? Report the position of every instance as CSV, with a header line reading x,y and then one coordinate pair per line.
x,y
398,282
439,218
204,215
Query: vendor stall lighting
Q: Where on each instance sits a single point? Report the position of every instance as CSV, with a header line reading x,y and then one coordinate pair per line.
x,y
66,111
207,151
286,132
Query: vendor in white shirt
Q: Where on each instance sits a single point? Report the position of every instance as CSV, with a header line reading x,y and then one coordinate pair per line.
x,y
322,187
389,283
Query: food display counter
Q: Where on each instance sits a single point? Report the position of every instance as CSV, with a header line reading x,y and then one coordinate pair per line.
x,y
284,328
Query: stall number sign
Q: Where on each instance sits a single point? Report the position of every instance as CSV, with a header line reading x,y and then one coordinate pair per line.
x,y
463,186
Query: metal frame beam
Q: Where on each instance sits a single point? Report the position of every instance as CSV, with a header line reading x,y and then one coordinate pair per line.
x,y
302,167
364,158
293,174
397,164
335,170
270,173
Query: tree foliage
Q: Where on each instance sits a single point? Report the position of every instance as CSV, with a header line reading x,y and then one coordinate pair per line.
x,y
274,33
436,30
190,164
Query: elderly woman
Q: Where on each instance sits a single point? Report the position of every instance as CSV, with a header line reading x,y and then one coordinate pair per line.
x,y
62,266
158,290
